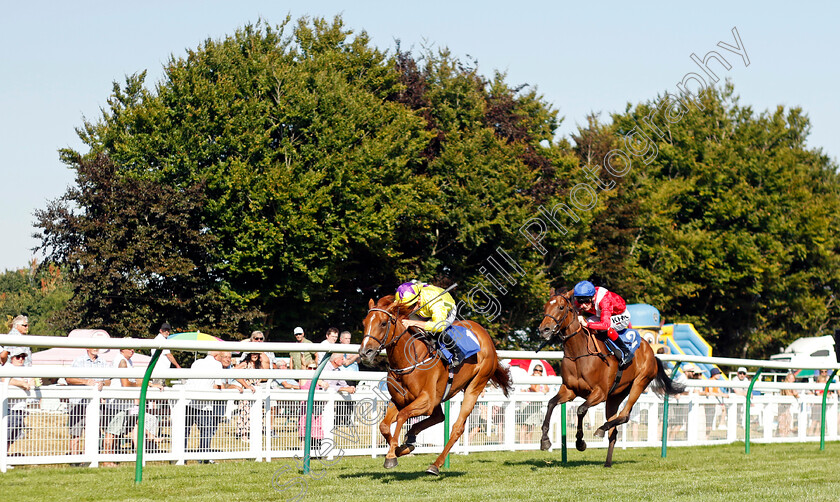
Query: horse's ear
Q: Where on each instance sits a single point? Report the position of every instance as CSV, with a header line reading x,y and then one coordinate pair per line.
x,y
371,304
569,294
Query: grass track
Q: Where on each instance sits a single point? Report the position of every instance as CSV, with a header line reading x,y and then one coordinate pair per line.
x,y
714,473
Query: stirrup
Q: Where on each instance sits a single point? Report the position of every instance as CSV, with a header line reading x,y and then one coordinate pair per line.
x,y
624,361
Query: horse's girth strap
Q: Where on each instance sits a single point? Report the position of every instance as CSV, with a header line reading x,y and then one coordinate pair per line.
x,y
617,379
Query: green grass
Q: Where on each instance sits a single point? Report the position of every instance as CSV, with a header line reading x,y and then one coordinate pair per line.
x,y
711,473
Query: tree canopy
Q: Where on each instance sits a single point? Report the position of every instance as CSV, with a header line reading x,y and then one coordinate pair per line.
x,y
283,175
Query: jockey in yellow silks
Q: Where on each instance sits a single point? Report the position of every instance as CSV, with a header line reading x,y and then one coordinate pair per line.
x,y
434,311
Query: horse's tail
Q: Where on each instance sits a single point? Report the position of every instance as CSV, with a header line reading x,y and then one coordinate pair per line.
x,y
663,384
501,377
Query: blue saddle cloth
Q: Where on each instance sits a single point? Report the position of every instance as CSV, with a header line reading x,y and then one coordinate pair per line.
x,y
631,338
465,342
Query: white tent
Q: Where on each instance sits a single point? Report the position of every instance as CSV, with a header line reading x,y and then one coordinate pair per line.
x,y
63,356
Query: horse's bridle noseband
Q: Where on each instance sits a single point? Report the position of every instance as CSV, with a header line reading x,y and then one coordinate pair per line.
x,y
558,325
391,320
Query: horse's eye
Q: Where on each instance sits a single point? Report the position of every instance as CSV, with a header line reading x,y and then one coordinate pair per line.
x,y
383,323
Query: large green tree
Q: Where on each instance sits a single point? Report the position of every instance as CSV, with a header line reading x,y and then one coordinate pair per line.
x,y
732,224
307,179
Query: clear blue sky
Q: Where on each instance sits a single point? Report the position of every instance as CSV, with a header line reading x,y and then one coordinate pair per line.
x,y
59,60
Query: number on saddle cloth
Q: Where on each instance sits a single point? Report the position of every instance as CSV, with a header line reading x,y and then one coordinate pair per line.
x,y
464,341
631,338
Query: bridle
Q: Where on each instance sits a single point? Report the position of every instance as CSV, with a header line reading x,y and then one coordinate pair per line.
x,y
558,325
384,346
391,320
563,339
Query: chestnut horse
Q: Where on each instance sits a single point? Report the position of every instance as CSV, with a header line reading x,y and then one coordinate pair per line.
x,y
591,374
417,378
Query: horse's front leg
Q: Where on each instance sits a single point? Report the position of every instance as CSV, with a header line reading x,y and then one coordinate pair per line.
x,y
385,429
435,418
594,398
419,406
564,395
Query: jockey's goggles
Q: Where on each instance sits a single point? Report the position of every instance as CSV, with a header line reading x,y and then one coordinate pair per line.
x,y
583,299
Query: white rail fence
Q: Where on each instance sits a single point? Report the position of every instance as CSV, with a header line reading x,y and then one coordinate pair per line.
x,y
83,425
184,425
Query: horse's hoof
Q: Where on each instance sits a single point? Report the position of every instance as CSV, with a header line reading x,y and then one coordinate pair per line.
x,y
405,449
390,463
609,464
580,444
545,444
433,470
599,433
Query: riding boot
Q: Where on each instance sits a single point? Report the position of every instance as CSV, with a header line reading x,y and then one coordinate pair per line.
x,y
448,343
623,354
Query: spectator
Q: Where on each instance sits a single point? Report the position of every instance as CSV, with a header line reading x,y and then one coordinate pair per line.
x,y
717,419
785,417
742,377
268,358
301,360
166,360
816,408
532,413
331,337
317,412
231,383
251,361
343,408
20,326
335,363
203,413
76,422
351,360
481,414
286,383
678,412
125,416
17,411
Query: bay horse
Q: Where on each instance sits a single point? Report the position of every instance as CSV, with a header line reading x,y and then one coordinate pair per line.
x,y
417,378
591,374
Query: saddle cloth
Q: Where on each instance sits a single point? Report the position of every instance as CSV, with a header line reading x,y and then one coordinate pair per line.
x,y
465,342
632,339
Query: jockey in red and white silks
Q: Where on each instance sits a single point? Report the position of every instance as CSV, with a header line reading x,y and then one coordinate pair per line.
x,y
609,312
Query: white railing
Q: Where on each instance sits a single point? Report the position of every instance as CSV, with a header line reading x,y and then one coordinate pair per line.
x,y
267,424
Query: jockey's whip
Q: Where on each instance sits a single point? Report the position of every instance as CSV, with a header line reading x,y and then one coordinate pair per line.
x,y
447,290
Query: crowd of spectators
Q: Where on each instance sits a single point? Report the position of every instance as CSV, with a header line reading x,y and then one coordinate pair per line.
x,y
118,417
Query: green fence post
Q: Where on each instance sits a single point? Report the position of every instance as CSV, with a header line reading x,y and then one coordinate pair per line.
x,y
665,415
141,418
822,418
563,451
747,412
307,441
445,432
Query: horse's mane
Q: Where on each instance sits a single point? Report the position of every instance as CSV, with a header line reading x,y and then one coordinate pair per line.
x,y
388,303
